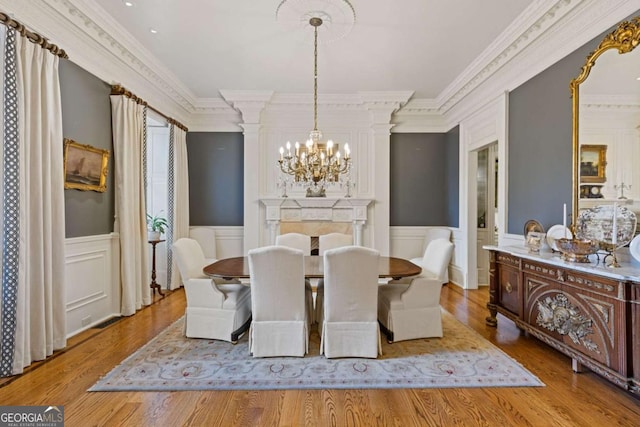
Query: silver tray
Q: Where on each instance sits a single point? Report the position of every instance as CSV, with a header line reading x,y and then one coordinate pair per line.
x,y
597,224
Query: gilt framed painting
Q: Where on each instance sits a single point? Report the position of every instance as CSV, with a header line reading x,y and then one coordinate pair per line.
x,y
85,167
593,162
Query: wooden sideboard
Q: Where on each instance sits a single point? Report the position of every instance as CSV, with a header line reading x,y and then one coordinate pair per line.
x,y
589,312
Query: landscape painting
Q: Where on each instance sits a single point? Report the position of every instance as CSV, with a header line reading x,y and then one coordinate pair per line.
x,y
85,167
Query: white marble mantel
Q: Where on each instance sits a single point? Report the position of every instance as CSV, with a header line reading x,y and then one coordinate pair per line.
x,y
317,209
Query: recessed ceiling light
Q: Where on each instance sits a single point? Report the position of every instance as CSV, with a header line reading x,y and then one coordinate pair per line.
x,y
153,31
128,3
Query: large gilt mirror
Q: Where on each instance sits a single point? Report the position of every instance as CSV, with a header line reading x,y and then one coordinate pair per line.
x,y
606,123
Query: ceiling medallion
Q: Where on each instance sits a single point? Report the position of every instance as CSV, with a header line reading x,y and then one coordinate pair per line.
x,y
338,16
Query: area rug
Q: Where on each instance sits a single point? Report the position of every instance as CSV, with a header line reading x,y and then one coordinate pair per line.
x,y
171,362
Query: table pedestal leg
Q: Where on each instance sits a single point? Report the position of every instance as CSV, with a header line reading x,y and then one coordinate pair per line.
x,y
154,285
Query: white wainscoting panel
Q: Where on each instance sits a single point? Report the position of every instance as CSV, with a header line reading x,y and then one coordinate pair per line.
x,y
407,242
92,281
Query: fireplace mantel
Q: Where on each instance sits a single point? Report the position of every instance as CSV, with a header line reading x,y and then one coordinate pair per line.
x,y
317,209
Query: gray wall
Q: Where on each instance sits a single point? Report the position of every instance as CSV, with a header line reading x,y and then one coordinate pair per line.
x,y
452,184
540,143
418,179
86,118
216,178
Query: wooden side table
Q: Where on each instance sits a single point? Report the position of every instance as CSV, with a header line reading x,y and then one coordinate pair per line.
x,y
154,285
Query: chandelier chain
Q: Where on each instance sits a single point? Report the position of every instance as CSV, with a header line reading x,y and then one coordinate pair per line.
x,y
315,78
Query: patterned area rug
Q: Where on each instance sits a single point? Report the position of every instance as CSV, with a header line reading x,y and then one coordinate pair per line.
x,y
461,359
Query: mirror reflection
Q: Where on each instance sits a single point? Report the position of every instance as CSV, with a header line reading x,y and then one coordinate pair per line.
x,y
609,132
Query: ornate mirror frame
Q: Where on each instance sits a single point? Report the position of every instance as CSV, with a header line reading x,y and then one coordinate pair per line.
x,y
625,38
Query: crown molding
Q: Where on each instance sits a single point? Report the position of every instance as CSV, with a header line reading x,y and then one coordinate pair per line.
x,y
421,106
306,99
382,97
250,103
545,32
219,121
585,21
526,28
631,108
87,33
233,96
614,101
419,116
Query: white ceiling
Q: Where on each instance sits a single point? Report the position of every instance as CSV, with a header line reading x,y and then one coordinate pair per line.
x,y
414,45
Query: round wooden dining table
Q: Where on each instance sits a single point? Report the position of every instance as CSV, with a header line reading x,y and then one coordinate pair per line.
x,y
238,268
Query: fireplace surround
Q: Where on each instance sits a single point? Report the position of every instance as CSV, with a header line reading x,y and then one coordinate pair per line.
x,y
316,216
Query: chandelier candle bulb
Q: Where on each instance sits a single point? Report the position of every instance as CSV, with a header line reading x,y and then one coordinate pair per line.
x,y
281,153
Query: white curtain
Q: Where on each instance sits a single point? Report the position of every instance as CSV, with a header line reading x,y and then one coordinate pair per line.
x,y
128,134
180,203
33,229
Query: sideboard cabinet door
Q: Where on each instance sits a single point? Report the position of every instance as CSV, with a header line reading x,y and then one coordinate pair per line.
x,y
537,289
509,286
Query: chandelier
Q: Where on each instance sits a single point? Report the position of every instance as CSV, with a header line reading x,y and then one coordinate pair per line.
x,y
315,163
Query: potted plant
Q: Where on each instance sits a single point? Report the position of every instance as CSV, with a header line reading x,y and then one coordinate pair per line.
x,y
156,225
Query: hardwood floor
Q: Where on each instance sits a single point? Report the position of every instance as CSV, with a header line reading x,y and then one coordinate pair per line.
x,y
568,399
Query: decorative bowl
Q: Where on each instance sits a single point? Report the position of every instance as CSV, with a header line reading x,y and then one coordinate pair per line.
x,y
577,250
534,241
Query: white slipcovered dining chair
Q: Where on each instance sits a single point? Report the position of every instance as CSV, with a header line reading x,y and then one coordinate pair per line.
x,y
350,327
409,309
280,325
214,311
332,241
295,241
301,242
430,235
206,238
325,243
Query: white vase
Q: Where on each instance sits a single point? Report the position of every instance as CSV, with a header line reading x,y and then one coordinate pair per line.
x,y
153,235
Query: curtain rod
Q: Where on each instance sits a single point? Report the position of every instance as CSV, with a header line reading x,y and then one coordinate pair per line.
x,y
33,37
120,90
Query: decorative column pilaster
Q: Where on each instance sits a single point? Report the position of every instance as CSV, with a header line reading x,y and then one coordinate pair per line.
x,y
251,104
357,232
272,215
273,231
381,105
381,139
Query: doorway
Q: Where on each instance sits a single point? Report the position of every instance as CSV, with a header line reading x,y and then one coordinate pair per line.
x,y
487,207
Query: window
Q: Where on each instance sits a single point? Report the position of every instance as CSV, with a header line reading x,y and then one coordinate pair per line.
x,y
157,164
